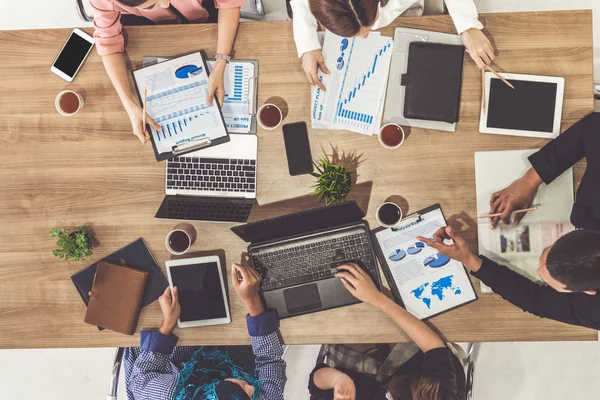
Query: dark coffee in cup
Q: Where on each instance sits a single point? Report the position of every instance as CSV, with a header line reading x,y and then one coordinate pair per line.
x,y
179,241
69,103
270,116
389,214
392,135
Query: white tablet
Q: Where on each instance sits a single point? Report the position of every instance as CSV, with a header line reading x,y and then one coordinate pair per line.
x,y
201,289
533,108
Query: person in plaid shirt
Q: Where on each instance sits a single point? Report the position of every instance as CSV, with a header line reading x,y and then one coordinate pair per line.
x,y
158,370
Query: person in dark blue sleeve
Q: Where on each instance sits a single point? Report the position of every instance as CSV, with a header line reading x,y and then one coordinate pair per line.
x,y
159,370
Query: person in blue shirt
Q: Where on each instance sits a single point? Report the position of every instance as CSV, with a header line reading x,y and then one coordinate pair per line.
x,y
159,370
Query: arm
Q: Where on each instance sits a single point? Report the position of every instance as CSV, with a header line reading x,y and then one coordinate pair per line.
x,y
356,280
229,19
567,149
542,301
465,17
156,369
262,327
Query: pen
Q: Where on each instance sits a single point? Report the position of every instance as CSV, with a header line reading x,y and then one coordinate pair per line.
x,y
514,212
499,77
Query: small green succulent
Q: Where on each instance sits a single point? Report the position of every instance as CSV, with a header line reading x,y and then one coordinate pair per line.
x,y
75,245
333,182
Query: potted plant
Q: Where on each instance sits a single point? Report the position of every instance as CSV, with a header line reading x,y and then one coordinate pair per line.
x,y
333,182
75,245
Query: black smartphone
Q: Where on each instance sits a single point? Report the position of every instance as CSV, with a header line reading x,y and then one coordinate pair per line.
x,y
297,148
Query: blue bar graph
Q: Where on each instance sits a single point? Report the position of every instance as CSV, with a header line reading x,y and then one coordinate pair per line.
x,y
174,123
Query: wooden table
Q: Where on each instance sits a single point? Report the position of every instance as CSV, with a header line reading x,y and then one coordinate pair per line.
x,y
89,169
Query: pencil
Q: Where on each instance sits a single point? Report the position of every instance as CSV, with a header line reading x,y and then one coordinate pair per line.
x,y
514,212
144,112
499,77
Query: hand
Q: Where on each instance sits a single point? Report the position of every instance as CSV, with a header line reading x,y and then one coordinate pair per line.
x,y
136,116
479,47
247,288
169,305
516,196
344,388
216,83
359,283
311,62
458,250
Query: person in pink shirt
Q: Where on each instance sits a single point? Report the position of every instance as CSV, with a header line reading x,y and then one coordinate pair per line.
x,y
110,43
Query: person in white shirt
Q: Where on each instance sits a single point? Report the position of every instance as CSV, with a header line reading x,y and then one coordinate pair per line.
x,y
350,18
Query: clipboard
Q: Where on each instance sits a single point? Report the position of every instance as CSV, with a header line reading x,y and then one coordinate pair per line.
x,y
193,145
406,223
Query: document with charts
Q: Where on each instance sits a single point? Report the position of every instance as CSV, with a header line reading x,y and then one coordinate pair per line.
x,y
356,85
519,247
176,99
425,282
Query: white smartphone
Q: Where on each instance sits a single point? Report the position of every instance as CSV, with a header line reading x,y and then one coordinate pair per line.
x,y
72,55
201,288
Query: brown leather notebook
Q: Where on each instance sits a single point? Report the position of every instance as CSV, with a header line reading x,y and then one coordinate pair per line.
x,y
116,297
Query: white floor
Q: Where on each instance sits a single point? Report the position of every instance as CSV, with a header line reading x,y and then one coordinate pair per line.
x,y
504,371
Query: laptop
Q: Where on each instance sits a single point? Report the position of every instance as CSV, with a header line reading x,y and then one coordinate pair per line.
x,y
297,256
213,184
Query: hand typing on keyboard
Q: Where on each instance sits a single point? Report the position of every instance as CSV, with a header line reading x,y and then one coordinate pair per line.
x,y
247,288
359,283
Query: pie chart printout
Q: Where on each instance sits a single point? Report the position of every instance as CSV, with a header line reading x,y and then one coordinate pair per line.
x,y
436,261
397,255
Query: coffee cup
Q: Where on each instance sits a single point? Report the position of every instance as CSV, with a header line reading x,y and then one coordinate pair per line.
x,y
389,214
68,103
269,116
179,240
391,136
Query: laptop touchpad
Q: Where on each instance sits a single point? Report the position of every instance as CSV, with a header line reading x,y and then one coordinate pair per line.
x,y
302,299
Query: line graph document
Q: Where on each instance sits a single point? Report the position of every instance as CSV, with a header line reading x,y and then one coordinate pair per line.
x,y
356,86
176,100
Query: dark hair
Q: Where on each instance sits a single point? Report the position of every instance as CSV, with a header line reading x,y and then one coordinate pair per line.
x,y
409,387
344,17
132,3
227,390
574,260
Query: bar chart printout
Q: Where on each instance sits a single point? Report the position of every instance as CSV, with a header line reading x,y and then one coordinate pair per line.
x,y
176,100
355,93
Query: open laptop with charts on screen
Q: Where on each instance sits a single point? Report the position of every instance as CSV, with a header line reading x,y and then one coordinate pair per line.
x,y
214,184
297,256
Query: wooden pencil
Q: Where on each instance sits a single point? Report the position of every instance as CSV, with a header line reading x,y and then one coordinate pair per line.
x,y
144,111
514,212
499,77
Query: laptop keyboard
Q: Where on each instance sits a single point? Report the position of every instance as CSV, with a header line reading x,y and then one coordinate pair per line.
x,y
312,261
211,174
208,211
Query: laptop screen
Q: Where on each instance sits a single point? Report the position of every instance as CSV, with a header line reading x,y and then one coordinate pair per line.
x,y
298,223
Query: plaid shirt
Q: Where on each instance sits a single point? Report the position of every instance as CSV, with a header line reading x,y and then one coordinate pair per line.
x,y
151,372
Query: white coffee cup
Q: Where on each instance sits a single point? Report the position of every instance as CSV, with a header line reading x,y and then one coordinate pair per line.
x,y
57,103
177,231
258,114
386,145
387,225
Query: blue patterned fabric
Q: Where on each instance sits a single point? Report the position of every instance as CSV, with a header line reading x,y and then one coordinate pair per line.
x,y
152,370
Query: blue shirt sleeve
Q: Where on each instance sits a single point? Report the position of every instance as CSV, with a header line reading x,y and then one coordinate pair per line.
x,y
268,350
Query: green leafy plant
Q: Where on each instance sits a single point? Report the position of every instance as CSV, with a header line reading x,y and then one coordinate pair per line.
x,y
75,245
333,182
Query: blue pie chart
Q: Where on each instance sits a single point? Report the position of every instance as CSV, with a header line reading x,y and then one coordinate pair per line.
x,y
397,255
414,250
420,244
187,71
436,261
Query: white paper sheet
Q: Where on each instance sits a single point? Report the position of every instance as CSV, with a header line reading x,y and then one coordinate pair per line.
x,y
356,85
519,247
176,100
428,282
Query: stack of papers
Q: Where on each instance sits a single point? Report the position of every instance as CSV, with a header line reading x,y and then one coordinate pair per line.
x,y
356,85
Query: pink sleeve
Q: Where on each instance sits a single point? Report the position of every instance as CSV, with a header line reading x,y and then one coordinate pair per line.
x,y
228,3
108,34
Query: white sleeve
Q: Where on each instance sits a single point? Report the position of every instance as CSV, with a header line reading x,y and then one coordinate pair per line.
x,y
464,14
305,27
